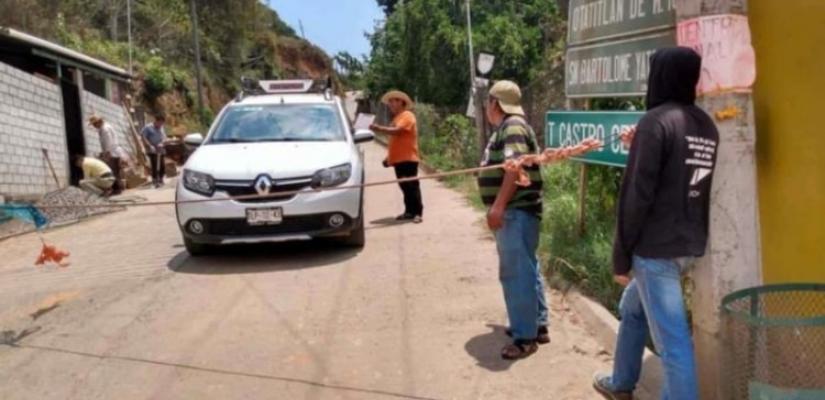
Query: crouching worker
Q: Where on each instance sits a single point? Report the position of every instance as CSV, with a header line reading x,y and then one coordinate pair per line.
x,y
97,176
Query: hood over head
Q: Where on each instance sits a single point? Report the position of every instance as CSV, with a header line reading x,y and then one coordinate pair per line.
x,y
674,74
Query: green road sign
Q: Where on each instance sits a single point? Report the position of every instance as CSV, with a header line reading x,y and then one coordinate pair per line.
x,y
597,20
565,128
613,69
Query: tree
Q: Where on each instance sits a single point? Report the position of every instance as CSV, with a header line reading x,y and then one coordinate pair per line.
x,y
422,46
350,69
388,5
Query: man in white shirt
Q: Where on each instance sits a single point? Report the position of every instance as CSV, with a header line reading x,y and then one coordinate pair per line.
x,y
109,149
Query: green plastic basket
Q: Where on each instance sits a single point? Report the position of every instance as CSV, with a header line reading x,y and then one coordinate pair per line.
x,y
774,342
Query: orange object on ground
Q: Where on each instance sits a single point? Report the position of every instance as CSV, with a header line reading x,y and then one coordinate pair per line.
x,y
51,253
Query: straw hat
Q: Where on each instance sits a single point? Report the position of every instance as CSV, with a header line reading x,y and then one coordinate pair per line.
x,y
508,95
397,94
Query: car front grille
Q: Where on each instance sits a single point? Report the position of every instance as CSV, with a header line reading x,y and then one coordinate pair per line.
x,y
247,188
290,225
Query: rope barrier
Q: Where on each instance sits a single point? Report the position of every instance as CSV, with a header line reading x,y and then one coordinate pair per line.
x,y
550,155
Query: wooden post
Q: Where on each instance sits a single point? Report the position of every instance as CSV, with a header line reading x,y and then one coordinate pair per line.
x,y
51,167
582,199
582,228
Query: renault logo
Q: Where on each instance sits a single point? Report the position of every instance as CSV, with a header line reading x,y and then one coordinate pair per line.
x,y
263,185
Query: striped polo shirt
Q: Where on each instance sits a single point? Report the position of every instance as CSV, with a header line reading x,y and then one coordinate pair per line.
x,y
511,140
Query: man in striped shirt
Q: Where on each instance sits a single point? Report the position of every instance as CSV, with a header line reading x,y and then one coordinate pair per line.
x,y
514,216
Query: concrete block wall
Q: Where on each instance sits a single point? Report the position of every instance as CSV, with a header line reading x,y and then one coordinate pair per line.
x,y
111,113
31,118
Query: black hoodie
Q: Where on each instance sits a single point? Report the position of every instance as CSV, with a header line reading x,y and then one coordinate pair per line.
x,y
665,196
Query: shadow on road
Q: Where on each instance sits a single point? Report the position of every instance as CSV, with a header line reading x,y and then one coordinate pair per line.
x,y
389,221
486,349
268,257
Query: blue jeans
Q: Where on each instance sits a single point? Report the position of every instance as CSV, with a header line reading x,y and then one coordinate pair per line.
x,y
519,273
654,299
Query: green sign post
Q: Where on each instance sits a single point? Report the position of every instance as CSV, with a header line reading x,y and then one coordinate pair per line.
x,y
564,128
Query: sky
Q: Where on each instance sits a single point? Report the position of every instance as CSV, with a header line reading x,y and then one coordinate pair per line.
x,y
334,25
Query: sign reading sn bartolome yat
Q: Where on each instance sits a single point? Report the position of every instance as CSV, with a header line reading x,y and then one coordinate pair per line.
x,y
610,43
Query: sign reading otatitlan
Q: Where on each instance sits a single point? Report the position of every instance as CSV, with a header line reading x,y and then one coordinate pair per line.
x,y
566,128
596,20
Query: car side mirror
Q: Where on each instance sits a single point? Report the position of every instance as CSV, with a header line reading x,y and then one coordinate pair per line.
x,y
363,136
193,139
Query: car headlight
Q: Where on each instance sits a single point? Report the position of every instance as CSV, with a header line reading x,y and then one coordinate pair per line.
x,y
199,182
332,176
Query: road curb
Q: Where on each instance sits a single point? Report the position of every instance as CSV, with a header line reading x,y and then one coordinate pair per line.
x,y
605,328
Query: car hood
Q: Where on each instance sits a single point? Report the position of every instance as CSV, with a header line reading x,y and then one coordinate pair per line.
x,y
246,161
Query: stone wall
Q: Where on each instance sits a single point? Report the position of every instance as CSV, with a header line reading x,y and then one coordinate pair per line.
x,y
31,118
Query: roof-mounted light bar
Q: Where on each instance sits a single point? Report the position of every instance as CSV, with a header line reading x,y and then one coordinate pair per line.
x,y
287,86
253,87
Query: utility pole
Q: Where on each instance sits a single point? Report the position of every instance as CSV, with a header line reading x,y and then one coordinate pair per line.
x,y
301,26
129,31
474,90
194,12
733,258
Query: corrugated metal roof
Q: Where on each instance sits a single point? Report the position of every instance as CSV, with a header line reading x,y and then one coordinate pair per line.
x,y
47,49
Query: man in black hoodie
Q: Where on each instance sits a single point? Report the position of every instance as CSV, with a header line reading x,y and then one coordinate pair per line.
x,y
662,226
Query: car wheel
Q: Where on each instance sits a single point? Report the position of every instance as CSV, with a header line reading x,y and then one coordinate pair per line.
x,y
196,249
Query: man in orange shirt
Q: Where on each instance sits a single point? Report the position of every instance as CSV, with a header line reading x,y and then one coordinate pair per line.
x,y
402,151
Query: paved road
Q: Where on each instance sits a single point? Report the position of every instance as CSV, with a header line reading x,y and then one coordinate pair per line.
x,y
417,314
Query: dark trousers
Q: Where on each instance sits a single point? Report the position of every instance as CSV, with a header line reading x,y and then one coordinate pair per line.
x,y
158,167
114,165
412,189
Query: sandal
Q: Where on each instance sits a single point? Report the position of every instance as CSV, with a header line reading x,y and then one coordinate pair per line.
x,y
404,217
519,349
542,336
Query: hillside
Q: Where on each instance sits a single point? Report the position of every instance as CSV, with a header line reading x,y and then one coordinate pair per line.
x,y
237,38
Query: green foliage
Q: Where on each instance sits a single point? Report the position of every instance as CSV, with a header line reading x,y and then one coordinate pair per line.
x,y
422,48
237,38
581,259
158,78
350,69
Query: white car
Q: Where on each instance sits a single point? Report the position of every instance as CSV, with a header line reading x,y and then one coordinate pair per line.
x,y
282,137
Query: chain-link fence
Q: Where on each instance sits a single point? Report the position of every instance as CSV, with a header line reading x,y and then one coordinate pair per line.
x,y
774,343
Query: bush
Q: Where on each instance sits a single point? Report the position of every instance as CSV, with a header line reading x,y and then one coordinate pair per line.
x,y
158,78
584,260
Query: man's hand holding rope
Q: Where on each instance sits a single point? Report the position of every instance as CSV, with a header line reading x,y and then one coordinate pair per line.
x,y
549,156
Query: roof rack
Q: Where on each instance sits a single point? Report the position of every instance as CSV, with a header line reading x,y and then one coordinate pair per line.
x,y
254,87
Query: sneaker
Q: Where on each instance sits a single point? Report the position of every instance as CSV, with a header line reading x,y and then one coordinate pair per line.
x,y
418,219
601,382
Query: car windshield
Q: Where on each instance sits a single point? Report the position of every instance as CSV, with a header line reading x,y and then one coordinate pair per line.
x,y
279,123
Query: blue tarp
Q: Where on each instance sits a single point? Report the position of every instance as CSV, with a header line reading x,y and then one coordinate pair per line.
x,y
24,212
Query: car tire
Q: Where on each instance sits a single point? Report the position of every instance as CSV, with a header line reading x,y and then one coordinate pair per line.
x,y
196,249
358,237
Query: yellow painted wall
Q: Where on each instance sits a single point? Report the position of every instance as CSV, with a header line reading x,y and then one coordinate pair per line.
x,y
789,96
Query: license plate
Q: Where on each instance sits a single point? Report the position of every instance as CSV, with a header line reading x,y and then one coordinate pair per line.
x,y
264,216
